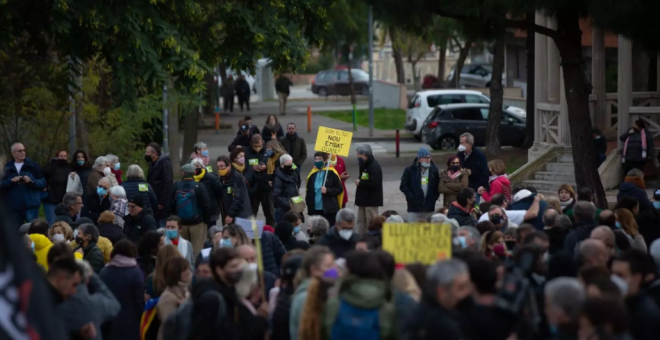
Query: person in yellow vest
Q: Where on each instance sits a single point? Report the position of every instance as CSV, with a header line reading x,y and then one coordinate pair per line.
x,y
324,194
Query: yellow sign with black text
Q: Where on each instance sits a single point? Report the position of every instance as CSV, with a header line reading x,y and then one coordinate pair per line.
x,y
417,242
333,141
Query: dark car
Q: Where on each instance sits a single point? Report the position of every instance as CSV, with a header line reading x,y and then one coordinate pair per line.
x,y
446,123
335,82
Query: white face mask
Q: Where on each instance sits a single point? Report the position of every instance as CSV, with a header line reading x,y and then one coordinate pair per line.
x,y
58,237
107,171
461,148
345,234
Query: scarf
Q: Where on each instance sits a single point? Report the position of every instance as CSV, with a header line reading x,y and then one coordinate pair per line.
x,y
202,172
239,167
270,166
181,245
566,203
119,207
494,177
638,182
273,128
453,175
340,197
122,261
625,146
455,204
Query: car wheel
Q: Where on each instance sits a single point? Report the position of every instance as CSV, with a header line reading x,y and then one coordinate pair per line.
x,y
447,143
322,92
365,90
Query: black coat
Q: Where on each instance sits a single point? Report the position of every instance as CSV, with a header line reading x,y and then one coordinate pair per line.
x,y
272,251
127,285
648,222
235,199
281,315
57,176
147,265
136,226
411,186
142,187
600,145
267,132
262,177
242,140
160,177
214,190
580,232
84,177
242,88
478,165
430,320
112,232
634,151
644,316
201,197
285,187
250,179
329,199
557,237
62,214
633,191
369,192
338,245
284,232
461,216
93,206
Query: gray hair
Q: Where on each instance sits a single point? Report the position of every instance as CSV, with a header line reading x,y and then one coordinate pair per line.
x,y
118,191
199,145
89,229
564,222
13,146
134,171
566,294
317,225
437,218
285,158
468,138
345,215
453,223
85,269
550,217
443,273
198,161
364,149
69,199
112,158
473,233
214,230
584,211
636,173
105,179
100,161
395,219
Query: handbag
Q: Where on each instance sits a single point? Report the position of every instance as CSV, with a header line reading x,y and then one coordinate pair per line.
x,y
297,203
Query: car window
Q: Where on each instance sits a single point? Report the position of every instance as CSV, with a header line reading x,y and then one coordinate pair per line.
x,y
436,113
343,75
359,74
330,76
484,113
473,99
468,114
321,76
412,101
443,99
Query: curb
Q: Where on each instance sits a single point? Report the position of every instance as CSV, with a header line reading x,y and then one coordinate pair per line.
x,y
380,139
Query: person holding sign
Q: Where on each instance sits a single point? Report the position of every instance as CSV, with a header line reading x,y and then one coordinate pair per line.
x,y
235,199
324,192
369,187
420,183
258,157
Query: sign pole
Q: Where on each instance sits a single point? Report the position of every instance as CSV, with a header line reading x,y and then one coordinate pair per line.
x,y
260,262
327,171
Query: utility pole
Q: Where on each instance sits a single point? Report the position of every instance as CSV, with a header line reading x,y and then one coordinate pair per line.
x,y
72,109
166,140
371,71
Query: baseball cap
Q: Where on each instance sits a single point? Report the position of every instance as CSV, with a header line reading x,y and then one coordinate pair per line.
x,y
137,200
244,128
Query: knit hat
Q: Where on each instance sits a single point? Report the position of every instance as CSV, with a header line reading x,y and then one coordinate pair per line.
x,y
137,200
188,169
423,152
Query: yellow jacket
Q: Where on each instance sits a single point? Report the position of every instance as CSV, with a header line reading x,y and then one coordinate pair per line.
x,y
42,245
104,244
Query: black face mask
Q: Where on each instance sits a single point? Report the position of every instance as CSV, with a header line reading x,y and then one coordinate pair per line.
x,y
465,304
360,161
496,219
454,168
510,244
147,158
287,169
233,278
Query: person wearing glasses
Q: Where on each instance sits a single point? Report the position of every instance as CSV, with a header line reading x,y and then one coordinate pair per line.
x,y
420,183
453,180
96,203
23,186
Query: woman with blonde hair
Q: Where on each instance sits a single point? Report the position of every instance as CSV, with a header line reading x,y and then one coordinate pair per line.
x,y
155,283
566,197
108,227
233,236
626,221
60,232
274,150
492,244
498,181
554,203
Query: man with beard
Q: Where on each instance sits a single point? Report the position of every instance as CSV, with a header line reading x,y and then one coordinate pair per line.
x,y
294,145
498,216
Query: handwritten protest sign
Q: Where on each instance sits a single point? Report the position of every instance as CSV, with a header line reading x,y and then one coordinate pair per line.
x,y
417,242
246,225
333,141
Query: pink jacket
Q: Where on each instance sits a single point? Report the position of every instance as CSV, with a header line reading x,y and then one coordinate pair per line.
x,y
500,185
205,159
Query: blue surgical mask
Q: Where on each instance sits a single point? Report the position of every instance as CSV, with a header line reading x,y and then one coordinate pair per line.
x,y
656,205
426,165
318,164
226,243
117,166
296,230
101,191
81,162
269,153
462,241
33,247
205,153
618,224
171,234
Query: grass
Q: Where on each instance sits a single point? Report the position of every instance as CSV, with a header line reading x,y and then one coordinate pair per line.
x,y
384,119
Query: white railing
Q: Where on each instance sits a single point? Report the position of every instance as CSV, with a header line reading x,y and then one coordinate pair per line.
x,y
549,117
640,99
650,115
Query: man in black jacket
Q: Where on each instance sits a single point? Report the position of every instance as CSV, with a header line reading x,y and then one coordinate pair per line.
x,y
70,209
369,187
420,183
584,224
190,201
160,177
340,238
648,220
242,88
242,140
213,187
257,158
463,209
475,162
138,221
97,202
235,198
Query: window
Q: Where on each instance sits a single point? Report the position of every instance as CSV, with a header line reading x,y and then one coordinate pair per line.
x,y
321,76
412,102
474,99
443,99
485,112
469,114
359,74
436,113
343,75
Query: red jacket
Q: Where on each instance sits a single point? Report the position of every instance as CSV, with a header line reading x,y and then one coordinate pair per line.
x,y
117,174
499,185
341,167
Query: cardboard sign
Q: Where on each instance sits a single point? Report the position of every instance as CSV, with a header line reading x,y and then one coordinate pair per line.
x,y
246,225
417,242
333,141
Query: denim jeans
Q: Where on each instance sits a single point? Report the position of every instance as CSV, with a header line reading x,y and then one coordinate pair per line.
x,y
49,211
25,215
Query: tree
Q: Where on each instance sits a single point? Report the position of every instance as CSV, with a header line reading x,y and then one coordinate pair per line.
x,y
414,47
493,147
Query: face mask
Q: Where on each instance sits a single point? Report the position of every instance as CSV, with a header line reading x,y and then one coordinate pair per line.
x,y
287,169
257,148
101,191
462,241
461,148
233,278
269,153
454,168
226,243
426,165
553,329
58,237
107,171
79,240
510,244
360,161
205,153
223,172
80,162
171,234
465,304
496,219
318,164
33,247
618,224
147,158
331,273
296,230
117,166
345,234
656,205
240,160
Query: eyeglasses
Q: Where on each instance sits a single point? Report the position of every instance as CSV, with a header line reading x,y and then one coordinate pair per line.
x,y
456,163
102,187
20,151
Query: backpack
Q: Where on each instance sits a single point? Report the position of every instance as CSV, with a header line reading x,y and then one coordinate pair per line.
x,y
186,203
355,323
178,325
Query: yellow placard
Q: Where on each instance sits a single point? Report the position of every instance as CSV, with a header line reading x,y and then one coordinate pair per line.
x,y
417,242
333,141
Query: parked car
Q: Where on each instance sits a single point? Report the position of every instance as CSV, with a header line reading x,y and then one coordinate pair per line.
x,y
447,123
475,75
335,82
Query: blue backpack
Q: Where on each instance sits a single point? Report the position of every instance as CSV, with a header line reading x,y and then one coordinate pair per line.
x,y
186,203
355,323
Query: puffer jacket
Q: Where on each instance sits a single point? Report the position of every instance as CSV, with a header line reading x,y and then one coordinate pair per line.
x,y
450,187
57,176
284,187
135,186
272,251
500,185
20,196
42,245
462,215
411,186
633,153
369,192
93,254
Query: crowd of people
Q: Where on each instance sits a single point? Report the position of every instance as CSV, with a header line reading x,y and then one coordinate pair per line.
x,y
135,256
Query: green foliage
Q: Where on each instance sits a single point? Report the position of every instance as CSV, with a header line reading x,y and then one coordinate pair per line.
x,y
348,22
325,61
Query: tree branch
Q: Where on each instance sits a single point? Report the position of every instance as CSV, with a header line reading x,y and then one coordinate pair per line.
x,y
508,23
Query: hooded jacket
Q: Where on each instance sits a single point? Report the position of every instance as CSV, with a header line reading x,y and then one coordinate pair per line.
x,y
338,245
369,192
450,187
363,294
41,247
462,215
139,186
213,188
127,285
235,199
161,178
272,251
22,196
631,187
411,186
500,185
285,186
136,226
57,176
296,147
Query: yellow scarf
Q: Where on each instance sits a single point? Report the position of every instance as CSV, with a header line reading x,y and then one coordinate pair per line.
x,y
239,167
340,197
201,174
270,166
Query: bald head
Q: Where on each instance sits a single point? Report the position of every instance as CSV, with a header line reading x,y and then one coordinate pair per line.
x,y
550,218
594,252
247,253
606,236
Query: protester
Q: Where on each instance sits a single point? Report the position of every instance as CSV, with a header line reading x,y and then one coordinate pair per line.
x,y
286,188
87,239
633,186
97,202
369,187
97,173
227,91
637,147
280,316
272,129
474,161
284,232
213,188
296,220
135,184
249,253
138,221
155,282
282,86
242,140
23,184
124,279
583,226
69,210
294,145
201,151
564,297
420,183
492,245
585,194
499,217
177,276
109,229
81,168
603,318
649,219
40,241
60,232
324,192
626,222
600,145
452,180
498,181
551,227
242,88
56,174
272,251
605,235
173,230
526,200
317,227
237,159
566,197
258,157
463,209
341,238
160,178
148,248
115,167
190,201
64,278
118,204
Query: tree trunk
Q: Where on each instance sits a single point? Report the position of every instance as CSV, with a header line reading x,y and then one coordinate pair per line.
x,y
577,90
211,93
351,87
416,81
189,133
442,60
222,70
653,72
398,58
81,129
493,148
462,55
529,107
173,122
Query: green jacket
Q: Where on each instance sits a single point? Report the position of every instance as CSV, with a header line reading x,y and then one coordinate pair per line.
x,y
297,304
367,294
569,213
94,256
